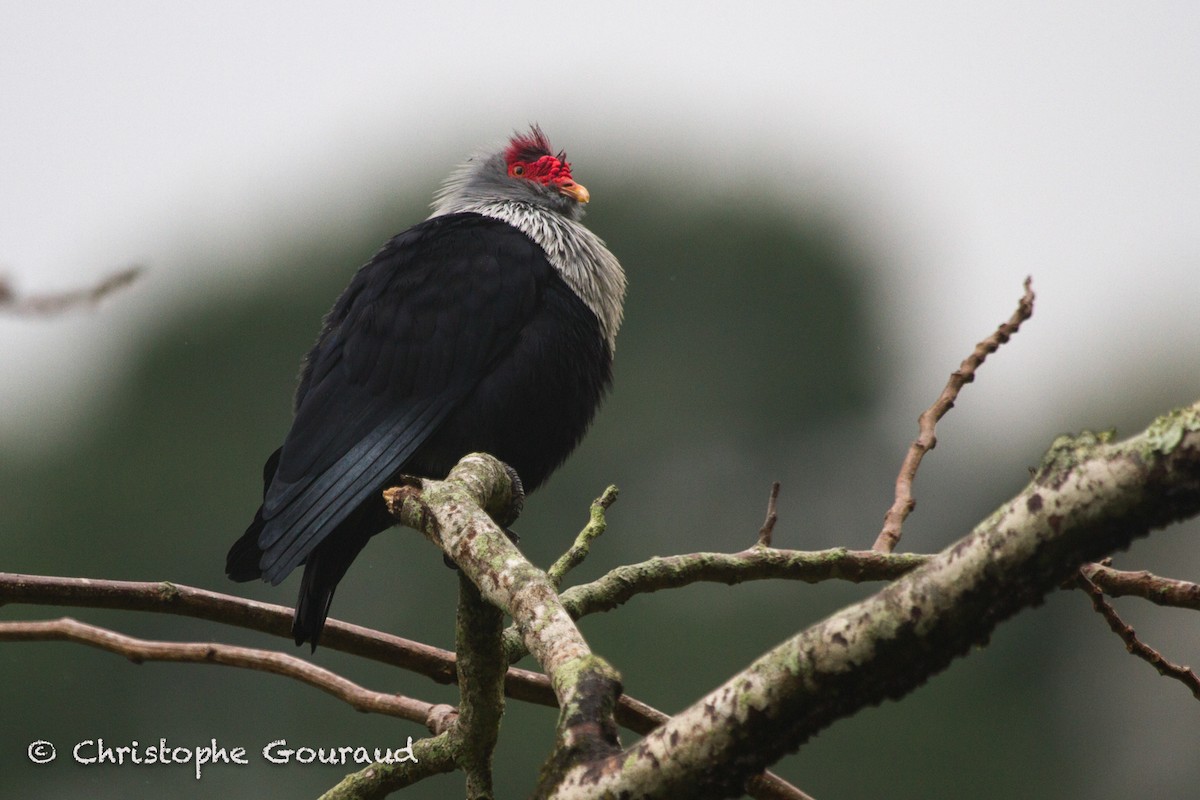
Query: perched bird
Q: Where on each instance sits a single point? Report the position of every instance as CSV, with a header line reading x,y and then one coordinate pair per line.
x,y
488,327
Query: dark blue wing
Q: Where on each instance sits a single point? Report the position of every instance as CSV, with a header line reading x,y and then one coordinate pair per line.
x,y
419,326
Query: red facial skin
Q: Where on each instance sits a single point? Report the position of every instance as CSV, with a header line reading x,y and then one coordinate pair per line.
x,y
529,157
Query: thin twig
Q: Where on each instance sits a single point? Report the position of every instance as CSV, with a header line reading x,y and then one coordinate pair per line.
x,y
770,786
597,524
768,526
140,650
172,598
48,304
1146,585
926,439
1133,644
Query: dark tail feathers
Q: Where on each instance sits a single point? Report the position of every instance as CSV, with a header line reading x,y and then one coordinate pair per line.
x,y
323,569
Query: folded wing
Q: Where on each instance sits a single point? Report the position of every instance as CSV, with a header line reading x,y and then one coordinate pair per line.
x,y
417,329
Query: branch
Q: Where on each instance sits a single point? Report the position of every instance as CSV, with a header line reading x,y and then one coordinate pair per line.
x,y
768,526
612,590
597,525
926,440
452,514
188,601
481,667
623,583
47,304
66,629
170,598
430,757
1088,498
1158,590
1132,643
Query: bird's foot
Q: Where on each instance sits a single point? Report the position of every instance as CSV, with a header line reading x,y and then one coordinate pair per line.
x,y
516,504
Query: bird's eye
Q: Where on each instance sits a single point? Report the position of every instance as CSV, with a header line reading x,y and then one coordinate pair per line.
x,y
518,170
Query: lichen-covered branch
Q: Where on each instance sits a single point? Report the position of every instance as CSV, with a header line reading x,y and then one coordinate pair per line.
x,y
449,514
757,563
577,552
481,668
1089,497
432,756
623,583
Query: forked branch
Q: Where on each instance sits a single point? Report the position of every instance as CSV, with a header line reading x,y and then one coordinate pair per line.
x,y
1133,644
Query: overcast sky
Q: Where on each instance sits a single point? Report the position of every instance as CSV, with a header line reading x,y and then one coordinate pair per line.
x,y
976,143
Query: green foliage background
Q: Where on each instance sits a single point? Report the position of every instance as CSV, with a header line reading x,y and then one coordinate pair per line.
x,y
751,352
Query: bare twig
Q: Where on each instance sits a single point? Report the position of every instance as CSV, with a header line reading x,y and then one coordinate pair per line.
x,y
1133,644
769,785
49,304
926,439
139,650
768,526
188,601
1146,585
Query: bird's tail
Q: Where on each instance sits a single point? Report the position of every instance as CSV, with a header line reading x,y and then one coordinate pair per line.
x,y
323,569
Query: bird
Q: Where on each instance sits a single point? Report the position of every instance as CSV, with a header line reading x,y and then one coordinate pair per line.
x,y
490,327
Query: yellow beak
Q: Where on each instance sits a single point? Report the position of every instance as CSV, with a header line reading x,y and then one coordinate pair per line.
x,y
576,191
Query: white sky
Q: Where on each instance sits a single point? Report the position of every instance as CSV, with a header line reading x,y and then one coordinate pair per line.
x,y
977,143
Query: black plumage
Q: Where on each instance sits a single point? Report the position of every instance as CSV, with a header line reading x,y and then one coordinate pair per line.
x,y
460,335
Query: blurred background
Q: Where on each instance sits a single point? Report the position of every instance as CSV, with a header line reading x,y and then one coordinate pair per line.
x,y
821,208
